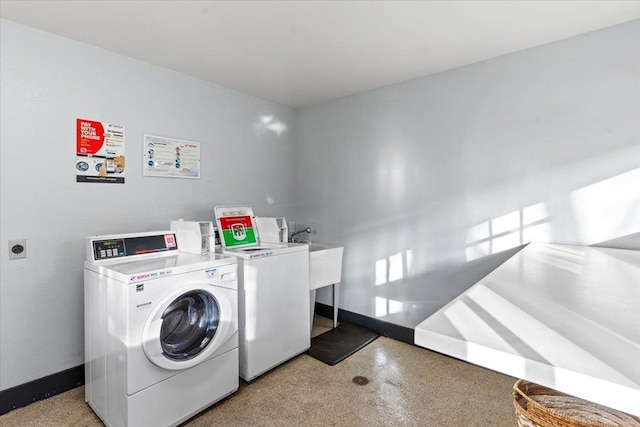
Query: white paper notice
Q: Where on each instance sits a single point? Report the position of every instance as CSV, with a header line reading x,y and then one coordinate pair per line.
x,y
170,157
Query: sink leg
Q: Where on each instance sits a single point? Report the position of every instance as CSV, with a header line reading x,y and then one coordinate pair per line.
x,y
336,293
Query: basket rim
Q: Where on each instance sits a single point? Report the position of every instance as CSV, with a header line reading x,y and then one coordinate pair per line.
x,y
554,412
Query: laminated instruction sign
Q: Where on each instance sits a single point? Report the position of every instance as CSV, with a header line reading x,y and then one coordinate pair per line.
x,y
99,152
171,158
237,230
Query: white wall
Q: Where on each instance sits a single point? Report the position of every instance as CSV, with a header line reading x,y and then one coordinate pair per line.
x,y
47,83
426,182
409,176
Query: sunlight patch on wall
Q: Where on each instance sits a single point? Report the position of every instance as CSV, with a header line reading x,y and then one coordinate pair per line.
x,y
536,226
534,213
505,242
505,223
608,209
393,268
478,250
508,231
478,232
381,271
386,306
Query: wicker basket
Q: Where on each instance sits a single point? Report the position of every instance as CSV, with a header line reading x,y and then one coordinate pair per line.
x,y
538,406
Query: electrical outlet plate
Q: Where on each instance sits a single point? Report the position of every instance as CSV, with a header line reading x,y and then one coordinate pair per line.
x,y
17,248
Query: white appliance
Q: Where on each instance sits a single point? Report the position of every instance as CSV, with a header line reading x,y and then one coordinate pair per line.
x,y
273,304
161,329
198,237
272,229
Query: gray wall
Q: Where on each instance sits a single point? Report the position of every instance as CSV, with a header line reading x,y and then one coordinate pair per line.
x,y
427,183
432,181
47,82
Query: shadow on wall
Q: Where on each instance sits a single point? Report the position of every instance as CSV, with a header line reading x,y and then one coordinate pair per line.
x,y
408,288
410,300
630,241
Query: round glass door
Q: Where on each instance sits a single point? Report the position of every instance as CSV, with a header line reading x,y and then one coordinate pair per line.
x,y
189,324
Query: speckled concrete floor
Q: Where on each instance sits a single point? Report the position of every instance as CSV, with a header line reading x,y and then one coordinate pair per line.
x,y
408,386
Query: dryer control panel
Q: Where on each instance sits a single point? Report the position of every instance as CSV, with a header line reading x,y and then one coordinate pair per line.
x,y
120,246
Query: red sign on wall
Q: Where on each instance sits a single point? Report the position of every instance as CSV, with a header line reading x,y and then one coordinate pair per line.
x,y
99,152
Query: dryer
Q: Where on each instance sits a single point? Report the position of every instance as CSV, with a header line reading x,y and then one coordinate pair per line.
x,y
273,300
161,329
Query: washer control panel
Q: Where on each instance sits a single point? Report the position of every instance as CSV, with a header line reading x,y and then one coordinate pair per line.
x,y
104,249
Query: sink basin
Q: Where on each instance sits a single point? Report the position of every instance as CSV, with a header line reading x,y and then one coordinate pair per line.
x,y
325,265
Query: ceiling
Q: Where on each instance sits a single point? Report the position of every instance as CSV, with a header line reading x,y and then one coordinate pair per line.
x,y
300,53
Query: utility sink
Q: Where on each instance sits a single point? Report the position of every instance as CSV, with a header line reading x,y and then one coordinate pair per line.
x,y
325,265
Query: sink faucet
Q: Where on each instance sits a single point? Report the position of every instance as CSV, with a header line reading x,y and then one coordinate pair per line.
x,y
305,230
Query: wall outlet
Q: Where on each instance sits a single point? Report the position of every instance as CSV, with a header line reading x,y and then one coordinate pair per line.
x,y
17,248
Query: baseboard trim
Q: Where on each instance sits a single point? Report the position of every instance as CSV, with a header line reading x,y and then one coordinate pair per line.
x,y
397,332
42,388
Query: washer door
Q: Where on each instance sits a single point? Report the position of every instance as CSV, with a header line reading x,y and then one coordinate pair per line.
x,y
186,327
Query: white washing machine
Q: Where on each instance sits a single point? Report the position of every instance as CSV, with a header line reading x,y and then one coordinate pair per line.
x,y
273,293
161,329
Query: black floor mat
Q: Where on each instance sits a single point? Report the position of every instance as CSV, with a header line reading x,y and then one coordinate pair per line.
x,y
334,346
